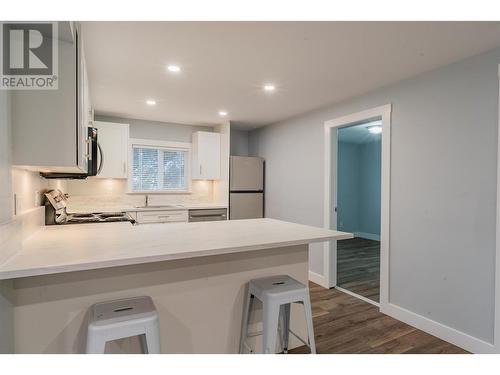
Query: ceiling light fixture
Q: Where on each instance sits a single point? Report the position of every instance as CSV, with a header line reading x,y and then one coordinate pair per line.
x,y
269,87
222,113
376,129
151,102
174,68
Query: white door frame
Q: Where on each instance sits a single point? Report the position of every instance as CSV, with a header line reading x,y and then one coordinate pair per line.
x,y
496,336
330,251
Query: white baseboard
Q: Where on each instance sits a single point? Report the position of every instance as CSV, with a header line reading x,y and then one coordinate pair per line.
x,y
358,296
458,338
368,236
318,279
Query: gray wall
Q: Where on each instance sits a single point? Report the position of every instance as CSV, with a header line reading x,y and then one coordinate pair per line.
x,y
443,187
239,142
164,131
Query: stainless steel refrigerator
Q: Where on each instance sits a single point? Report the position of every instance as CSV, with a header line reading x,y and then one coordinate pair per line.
x,y
246,187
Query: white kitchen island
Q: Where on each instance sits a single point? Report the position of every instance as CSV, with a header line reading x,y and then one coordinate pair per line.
x,y
196,274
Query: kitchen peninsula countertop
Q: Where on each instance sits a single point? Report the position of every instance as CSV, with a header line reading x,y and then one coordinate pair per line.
x,y
58,249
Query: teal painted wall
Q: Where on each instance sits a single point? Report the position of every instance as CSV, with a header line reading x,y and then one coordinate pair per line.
x,y
358,185
347,186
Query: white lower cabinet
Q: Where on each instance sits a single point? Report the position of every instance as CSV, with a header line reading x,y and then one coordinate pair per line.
x,y
167,216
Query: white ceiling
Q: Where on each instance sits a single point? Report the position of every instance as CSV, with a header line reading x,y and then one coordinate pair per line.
x,y
225,64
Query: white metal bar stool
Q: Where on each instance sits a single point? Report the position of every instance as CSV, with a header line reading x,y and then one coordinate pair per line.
x,y
122,318
276,293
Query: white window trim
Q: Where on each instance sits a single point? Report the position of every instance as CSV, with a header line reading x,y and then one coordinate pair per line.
x,y
183,146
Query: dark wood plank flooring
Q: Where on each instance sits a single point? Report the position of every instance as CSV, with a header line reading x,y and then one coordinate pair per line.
x,y
358,267
345,324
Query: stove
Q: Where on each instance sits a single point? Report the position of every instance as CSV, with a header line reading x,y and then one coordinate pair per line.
x,y
107,217
55,212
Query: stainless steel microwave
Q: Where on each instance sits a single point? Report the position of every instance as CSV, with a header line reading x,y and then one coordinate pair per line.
x,y
93,168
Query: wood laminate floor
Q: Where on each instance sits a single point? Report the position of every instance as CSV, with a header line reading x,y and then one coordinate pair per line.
x,y
345,324
358,267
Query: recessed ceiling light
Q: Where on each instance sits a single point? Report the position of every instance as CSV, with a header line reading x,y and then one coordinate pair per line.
x,y
222,113
376,129
174,68
151,102
269,87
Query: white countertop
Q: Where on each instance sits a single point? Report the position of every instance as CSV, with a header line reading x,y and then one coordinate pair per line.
x,y
57,249
86,208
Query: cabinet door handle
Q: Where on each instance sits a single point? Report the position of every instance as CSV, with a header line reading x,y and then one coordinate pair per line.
x,y
124,168
200,169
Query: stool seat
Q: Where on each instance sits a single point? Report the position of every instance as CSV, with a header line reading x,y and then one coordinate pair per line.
x,y
278,286
106,313
123,318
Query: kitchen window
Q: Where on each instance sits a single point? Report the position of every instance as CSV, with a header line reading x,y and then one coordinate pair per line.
x,y
160,167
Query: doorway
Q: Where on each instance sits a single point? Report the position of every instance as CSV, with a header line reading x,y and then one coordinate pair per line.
x,y
358,207
357,180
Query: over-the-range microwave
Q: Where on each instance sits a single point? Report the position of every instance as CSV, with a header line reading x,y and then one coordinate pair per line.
x,y
93,169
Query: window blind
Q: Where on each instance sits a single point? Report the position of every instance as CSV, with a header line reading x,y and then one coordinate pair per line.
x,y
156,168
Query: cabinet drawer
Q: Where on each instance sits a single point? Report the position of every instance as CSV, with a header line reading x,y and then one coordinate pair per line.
x,y
167,216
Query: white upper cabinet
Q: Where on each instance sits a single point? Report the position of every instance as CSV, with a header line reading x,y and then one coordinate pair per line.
x,y
49,127
85,111
113,154
206,156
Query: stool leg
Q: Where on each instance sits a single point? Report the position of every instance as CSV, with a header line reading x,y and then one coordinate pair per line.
x,y
152,337
246,320
281,327
144,343
95,344
286,326
270,327
310,327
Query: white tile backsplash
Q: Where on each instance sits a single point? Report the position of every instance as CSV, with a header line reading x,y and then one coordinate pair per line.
x,y
28,188
21,227
108,193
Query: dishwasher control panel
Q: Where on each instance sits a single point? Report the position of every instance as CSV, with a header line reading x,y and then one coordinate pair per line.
x,y
211,214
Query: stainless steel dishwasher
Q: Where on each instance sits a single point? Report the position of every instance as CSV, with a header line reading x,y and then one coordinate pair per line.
x,y
208,214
